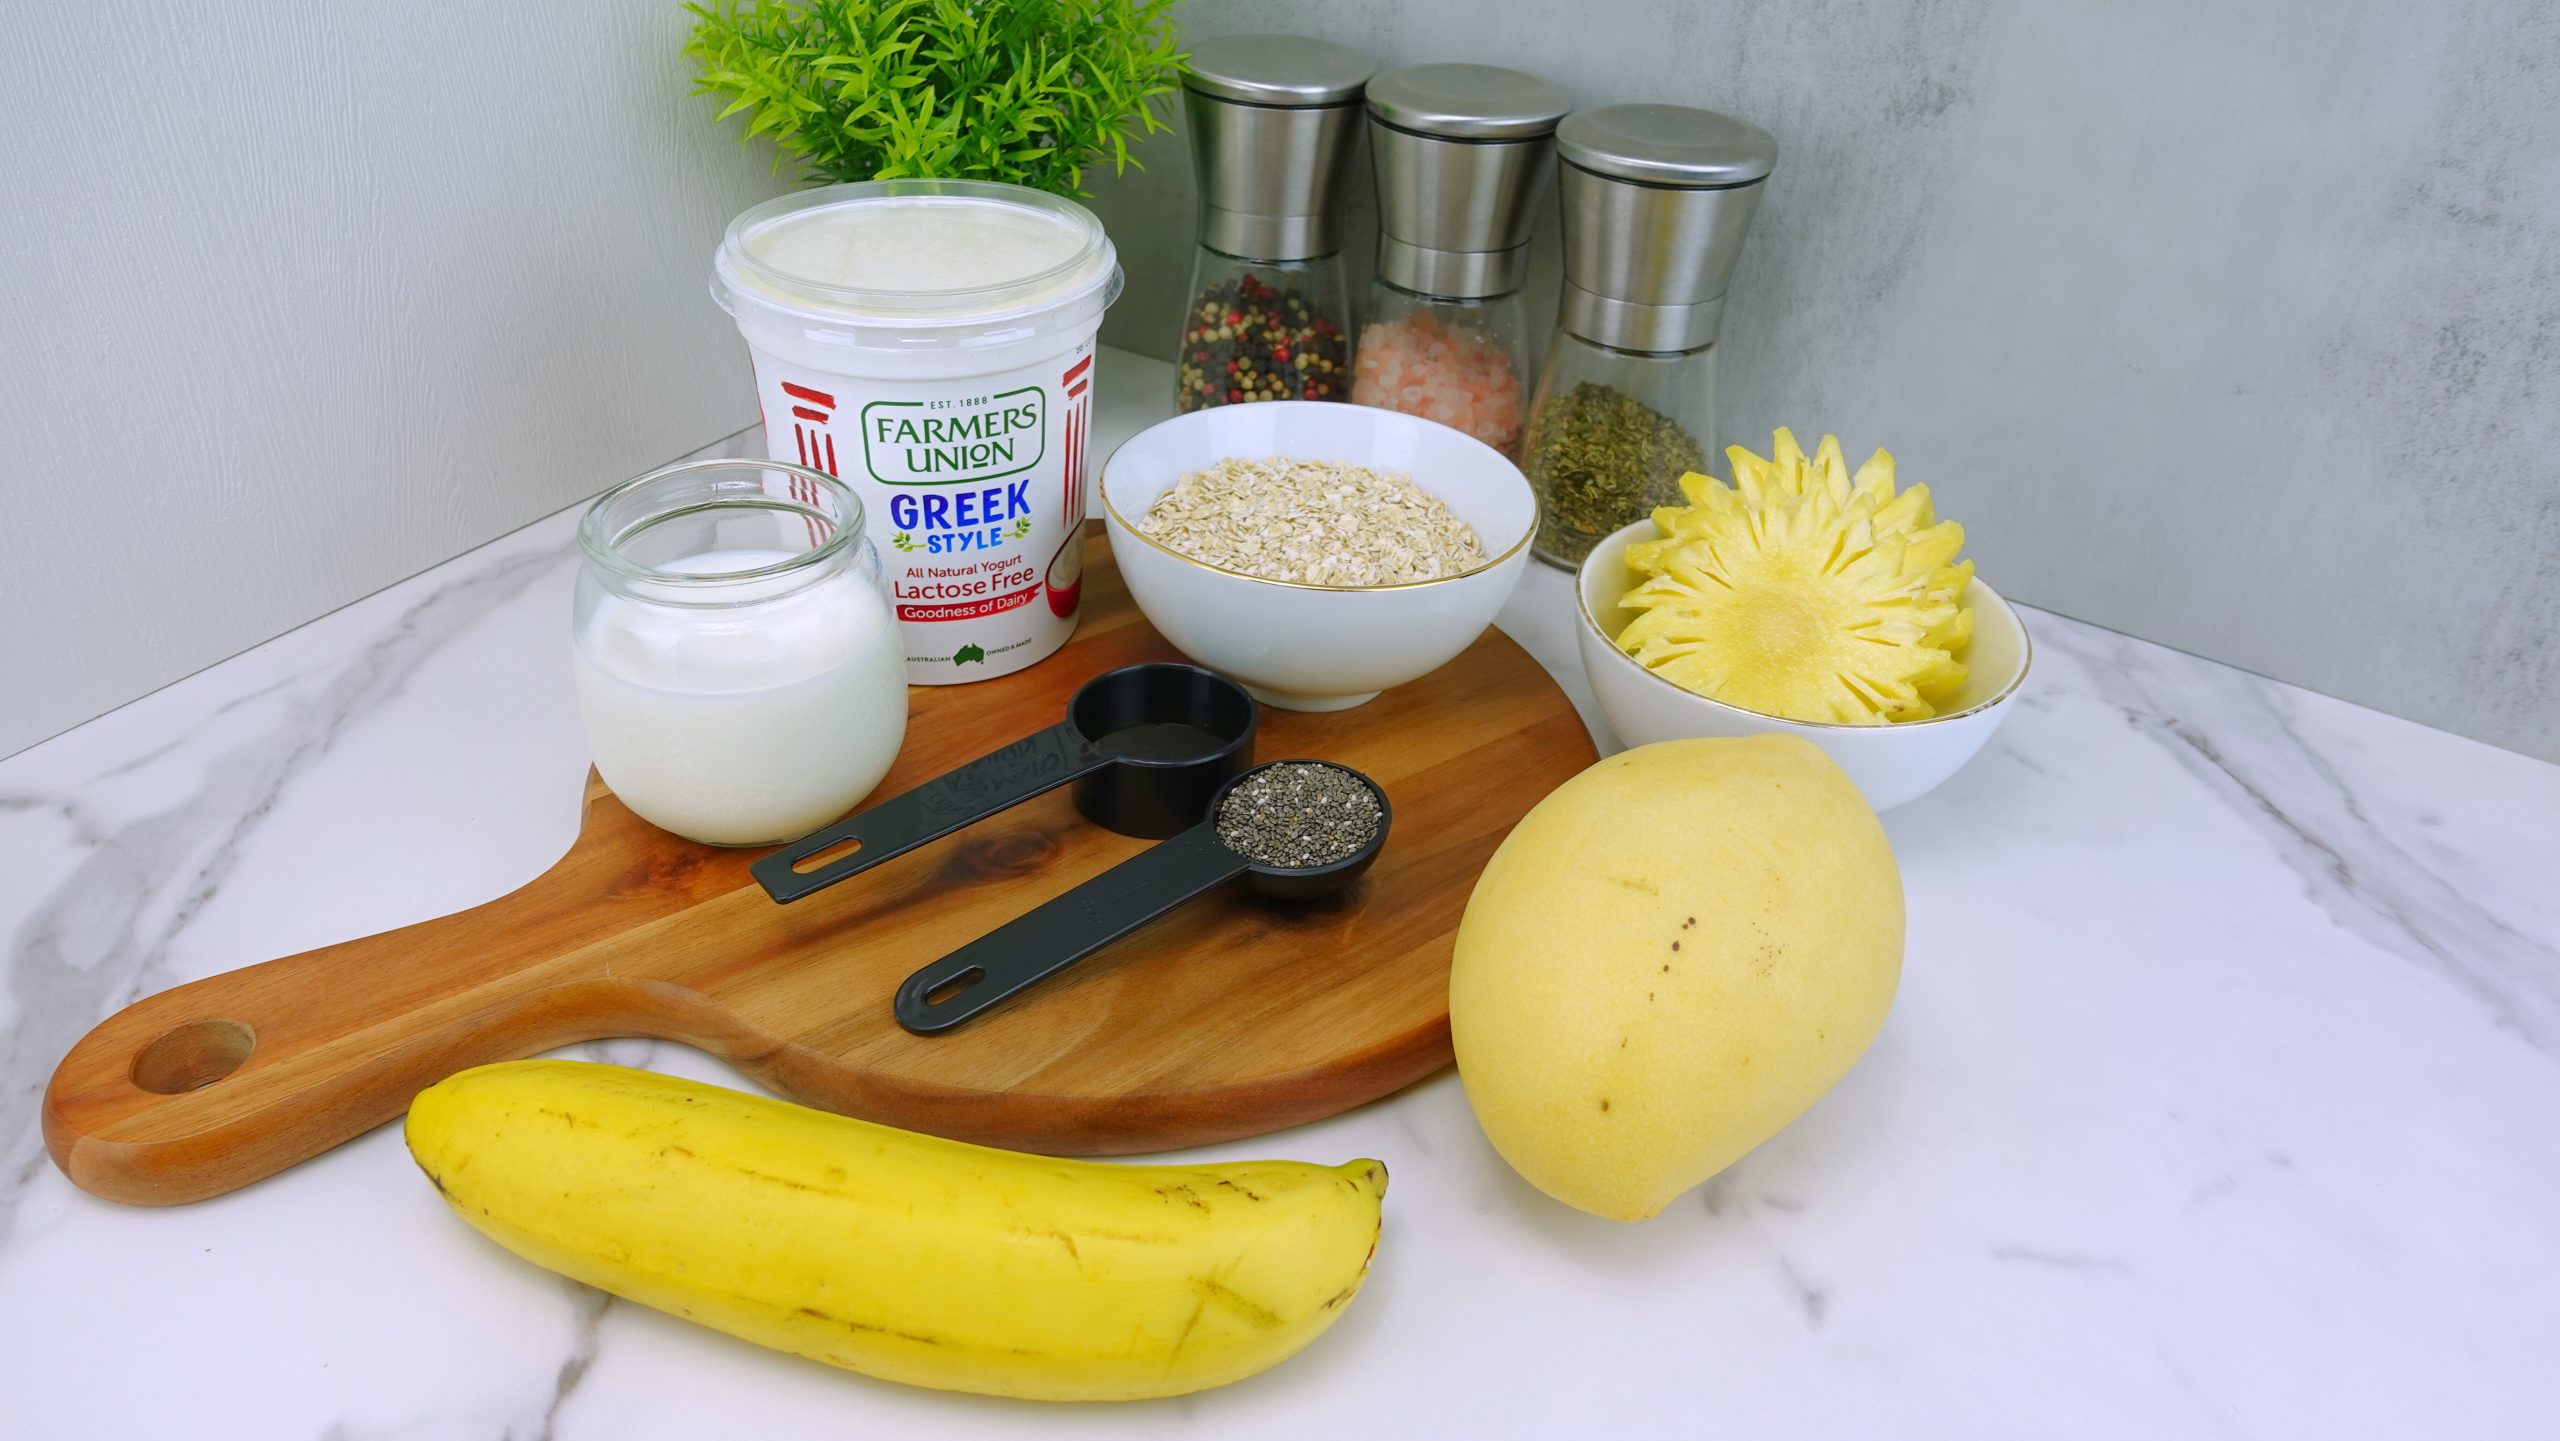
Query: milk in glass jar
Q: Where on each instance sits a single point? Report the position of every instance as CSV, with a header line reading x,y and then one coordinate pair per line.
x,y
739,671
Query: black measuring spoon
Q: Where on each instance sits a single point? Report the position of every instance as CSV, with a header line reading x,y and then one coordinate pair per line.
x,y
1034,946
1146,746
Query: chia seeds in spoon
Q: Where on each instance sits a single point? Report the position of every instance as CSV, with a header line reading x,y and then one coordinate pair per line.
x,y
1299,814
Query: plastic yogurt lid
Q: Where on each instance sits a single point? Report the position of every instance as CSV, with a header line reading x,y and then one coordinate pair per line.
x,y
916,253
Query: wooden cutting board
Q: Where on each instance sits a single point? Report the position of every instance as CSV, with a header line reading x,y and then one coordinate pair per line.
x,y
1232,1017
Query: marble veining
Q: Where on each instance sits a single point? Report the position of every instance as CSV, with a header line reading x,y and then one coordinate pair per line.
x,y
2267,771
100,940
2221,1097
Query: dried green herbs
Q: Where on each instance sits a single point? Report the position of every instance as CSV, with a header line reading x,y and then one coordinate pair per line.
x,y
1600,459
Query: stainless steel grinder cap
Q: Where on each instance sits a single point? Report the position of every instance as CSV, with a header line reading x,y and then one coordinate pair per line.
x,y
1657,200
1462,154
1273,120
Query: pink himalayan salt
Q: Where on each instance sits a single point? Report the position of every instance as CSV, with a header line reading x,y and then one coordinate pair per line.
x,y
1450,374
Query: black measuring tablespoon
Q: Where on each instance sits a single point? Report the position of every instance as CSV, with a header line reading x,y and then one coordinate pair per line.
x,y
1146,746
1295,830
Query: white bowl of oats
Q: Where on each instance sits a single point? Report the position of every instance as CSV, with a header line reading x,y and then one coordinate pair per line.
x,y
1317,552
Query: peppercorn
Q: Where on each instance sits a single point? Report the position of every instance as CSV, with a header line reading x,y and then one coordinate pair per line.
x,y
1249,340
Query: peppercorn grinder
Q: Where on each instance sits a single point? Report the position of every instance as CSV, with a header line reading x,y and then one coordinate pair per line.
x,y
1273,120
1462,155
1657,200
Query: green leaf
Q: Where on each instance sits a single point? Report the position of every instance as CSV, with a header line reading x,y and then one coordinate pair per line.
x,y
1026,91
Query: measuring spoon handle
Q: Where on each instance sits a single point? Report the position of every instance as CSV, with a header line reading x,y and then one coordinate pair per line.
x,y
1039,762
1032,947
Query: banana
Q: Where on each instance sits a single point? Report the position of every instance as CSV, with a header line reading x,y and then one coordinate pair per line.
x,y
901,1256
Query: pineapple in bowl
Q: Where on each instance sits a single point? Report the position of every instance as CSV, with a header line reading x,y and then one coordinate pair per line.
x,y
1809,600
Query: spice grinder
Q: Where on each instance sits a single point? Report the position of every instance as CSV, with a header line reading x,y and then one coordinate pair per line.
x,y
1462,155
1657,200
1273,120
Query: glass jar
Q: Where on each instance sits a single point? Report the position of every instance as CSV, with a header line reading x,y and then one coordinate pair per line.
x,y
1461,155
1461,362
739,670
1263,330
1273,121
1656,201
1611,432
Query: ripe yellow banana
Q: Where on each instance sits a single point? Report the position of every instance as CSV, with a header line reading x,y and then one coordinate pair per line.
x,y
897,1255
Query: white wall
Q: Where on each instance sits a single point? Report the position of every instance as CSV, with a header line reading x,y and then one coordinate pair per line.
x,y
2231,325
298,298
2228,325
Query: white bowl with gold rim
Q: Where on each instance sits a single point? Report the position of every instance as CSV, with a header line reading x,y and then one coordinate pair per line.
x,y
1891,764
1318,647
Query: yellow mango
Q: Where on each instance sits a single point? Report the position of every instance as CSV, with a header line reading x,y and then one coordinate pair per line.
x,y
1667,961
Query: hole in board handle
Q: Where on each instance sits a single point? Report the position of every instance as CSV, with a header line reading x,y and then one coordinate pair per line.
x,y
951,987
820,860
193,1056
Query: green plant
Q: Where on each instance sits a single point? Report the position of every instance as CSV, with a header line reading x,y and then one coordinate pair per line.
x,y
1027,91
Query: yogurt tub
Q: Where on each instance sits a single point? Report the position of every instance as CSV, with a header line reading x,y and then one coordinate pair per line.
x,y
930,343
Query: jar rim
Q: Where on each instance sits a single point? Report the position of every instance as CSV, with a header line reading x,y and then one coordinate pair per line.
x,y
844,524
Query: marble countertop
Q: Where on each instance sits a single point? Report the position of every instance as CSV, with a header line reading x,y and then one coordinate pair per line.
x,y
2222,1097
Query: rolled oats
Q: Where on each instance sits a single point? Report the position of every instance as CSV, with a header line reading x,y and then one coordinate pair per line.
x,y
1315,522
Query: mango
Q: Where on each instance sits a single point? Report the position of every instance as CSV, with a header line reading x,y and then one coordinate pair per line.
x,y
1667,961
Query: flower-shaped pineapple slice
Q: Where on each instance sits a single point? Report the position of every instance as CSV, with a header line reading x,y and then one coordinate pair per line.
x,y
1804,590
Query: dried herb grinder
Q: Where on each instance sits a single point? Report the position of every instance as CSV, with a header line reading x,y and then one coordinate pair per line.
x,y
1657,200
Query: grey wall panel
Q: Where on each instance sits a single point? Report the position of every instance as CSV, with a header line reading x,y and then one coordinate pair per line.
x,y
2232,326
298,299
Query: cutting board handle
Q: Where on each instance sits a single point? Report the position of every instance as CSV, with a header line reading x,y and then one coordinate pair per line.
x,y
181,1094
208,1086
